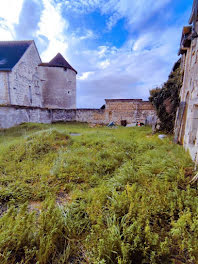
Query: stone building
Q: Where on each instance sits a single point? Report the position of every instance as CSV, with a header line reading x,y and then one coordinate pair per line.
x,y
26,81
58,86
186,127
129,111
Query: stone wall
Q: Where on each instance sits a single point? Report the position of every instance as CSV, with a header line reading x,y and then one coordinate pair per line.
x,y
186,126
14,115
58,87
24,82
96,116
131,110
61,115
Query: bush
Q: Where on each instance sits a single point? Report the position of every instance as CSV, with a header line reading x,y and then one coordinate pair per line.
x,y
166,99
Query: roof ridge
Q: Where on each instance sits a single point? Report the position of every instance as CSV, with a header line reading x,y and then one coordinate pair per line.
x,y
30,40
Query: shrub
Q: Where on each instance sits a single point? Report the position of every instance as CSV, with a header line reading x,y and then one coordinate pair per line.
x,y
166,99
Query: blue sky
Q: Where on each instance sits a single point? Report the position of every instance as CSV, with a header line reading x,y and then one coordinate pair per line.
x,y
120,48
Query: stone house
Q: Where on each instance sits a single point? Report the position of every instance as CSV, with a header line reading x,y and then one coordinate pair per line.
x,y
26,81
186,126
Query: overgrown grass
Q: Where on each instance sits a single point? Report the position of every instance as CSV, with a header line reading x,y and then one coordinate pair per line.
x,y
107,196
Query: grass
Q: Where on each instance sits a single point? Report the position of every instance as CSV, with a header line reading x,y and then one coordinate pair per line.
x,y
105,196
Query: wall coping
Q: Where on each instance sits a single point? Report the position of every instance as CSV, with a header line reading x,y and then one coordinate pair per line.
x,y
45,108
126,100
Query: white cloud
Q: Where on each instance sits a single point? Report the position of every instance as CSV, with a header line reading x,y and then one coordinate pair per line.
x,y
52,26
83,6
85,76
10,10
104,64
9,16
89,34
134,10
102,51
137,11
113,20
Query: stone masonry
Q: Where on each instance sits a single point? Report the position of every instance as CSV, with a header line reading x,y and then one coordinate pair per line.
x,y
186,126
129,110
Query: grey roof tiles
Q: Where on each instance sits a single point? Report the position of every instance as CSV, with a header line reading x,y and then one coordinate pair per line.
x,y
11,52
58,61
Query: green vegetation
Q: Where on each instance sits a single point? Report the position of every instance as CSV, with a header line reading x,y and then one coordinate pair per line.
x,y
105,196
166,99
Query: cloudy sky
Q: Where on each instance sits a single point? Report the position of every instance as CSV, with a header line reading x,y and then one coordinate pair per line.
x,y
120,48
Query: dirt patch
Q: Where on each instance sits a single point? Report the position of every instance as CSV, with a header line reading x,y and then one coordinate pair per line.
x,y
189,172
63,198
95,125
35,206
3,209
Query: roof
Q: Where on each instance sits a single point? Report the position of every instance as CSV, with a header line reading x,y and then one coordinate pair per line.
x,y
11,52
58,61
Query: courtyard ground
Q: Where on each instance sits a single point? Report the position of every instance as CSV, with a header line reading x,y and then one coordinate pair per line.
x,y
74,194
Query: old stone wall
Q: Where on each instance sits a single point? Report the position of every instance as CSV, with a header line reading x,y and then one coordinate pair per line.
x,y
14,115
58,87
62,115
96,116
186,127
24,82
131,110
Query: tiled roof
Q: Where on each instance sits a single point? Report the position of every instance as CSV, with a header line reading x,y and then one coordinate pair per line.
x,y
58,61
11,52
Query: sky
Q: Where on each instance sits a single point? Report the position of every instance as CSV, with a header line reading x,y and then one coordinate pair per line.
x,y
120,48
